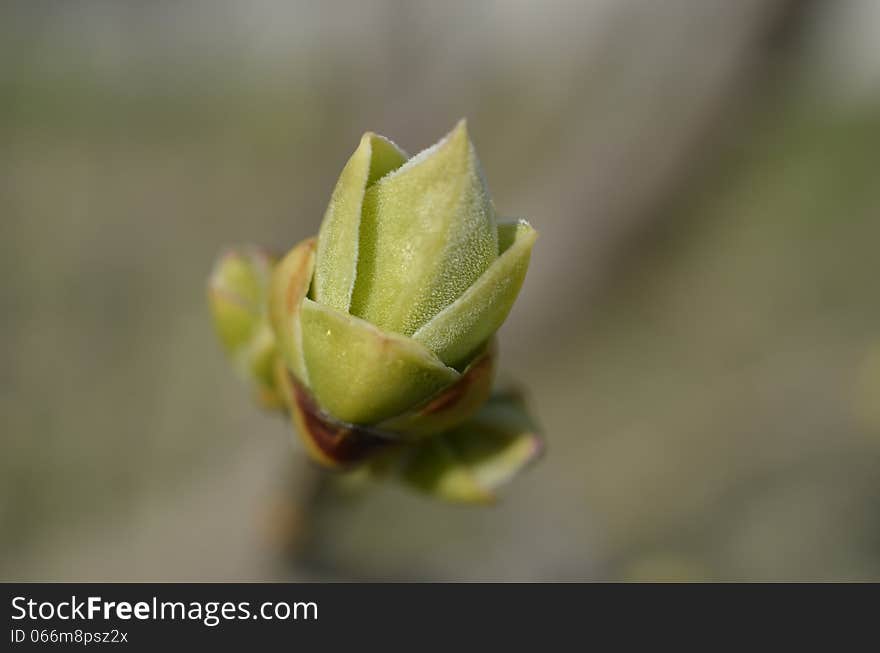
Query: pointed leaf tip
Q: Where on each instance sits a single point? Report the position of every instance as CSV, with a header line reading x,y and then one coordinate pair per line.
x,y
427,232
338,239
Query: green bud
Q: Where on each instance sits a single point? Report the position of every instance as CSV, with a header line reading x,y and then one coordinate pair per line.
x,y
237,295
378,334
412,276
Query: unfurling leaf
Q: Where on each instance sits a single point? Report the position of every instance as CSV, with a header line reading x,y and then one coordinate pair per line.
x,y
471,462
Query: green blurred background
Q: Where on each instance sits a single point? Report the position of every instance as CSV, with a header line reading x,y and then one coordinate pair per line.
x,y
699,331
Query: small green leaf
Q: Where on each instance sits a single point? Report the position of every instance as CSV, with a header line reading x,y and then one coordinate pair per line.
x,y
234,320
469,463
427,232
338,239
261,356
456,332
451,406
290,283
361,374
236,291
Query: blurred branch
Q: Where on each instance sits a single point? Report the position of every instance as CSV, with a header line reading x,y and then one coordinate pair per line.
x,y
704,77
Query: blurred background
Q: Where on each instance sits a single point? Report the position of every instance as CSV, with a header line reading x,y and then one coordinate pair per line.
x,y
699,331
